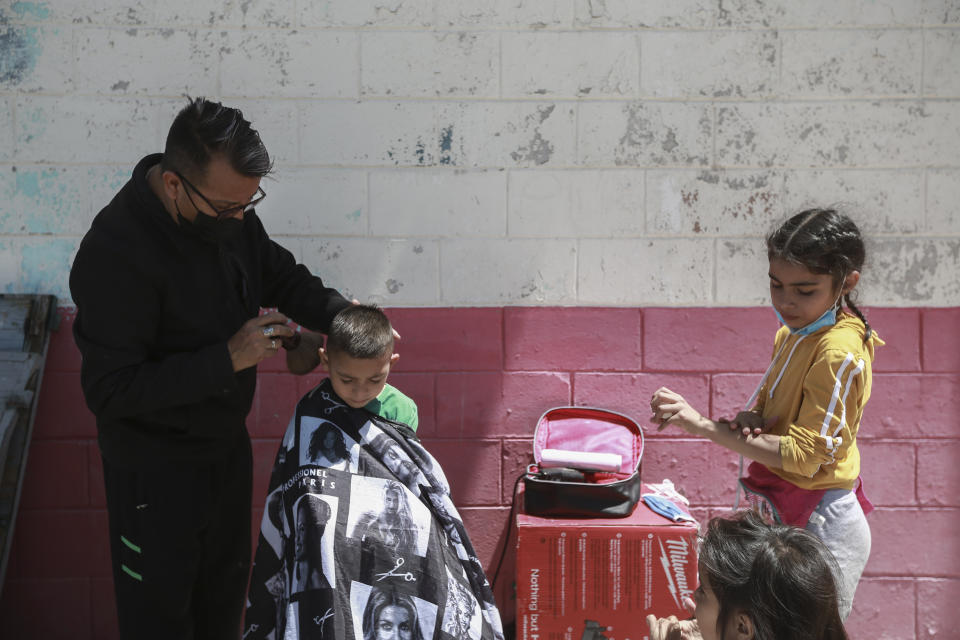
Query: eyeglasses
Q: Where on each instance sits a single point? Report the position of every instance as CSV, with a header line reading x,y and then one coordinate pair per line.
x,y
229,212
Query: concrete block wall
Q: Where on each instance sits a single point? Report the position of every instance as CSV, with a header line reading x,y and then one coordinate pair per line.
x,y
558,152
481,378
561,201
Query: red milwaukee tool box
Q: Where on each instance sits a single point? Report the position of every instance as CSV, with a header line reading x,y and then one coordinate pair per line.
x,y
598,578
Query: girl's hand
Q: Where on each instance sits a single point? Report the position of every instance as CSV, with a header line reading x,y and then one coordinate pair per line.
x,y
669,408
751,424
673,629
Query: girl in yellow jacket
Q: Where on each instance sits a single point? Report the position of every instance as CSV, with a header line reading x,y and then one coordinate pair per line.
x,y
801,432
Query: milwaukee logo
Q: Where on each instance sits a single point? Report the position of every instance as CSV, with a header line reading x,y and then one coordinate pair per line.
x,y
674,558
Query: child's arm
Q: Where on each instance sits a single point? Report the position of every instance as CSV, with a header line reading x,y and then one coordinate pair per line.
x,y
306,356
670,408
828,419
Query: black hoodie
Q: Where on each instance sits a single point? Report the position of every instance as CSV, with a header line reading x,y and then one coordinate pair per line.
x,y
156,305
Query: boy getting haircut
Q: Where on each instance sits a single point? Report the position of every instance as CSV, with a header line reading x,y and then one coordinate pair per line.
x,y
358,356
360,331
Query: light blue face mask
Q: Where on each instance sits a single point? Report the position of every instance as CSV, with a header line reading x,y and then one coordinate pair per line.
x,y
829,318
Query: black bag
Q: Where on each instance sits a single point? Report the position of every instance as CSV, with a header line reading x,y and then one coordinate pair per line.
x,y
571,482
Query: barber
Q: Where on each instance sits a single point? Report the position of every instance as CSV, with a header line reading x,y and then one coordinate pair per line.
x,y
169,282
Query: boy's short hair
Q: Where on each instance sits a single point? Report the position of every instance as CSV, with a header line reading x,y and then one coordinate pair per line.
x,y
361,331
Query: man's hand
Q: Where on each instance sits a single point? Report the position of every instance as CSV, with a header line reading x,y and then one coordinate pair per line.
x,y
258,339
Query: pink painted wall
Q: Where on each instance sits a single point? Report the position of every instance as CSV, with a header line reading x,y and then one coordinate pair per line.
x,y
482,377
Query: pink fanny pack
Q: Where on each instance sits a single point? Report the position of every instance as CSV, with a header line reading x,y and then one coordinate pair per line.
x,y
784,501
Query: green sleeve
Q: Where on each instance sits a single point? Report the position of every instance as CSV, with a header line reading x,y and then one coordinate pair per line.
x,y
394,405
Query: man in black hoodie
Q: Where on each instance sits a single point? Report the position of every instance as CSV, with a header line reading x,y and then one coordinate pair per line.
x,y
168,283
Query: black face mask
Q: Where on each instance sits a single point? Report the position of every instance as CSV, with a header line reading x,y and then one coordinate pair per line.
x,y
209,229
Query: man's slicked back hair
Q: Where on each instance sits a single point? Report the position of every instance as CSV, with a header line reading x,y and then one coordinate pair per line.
x,y
204,129
361,331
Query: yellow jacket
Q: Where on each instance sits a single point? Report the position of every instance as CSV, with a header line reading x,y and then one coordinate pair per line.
x,y
817,387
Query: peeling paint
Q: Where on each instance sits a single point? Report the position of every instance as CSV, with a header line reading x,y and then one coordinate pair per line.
x,y
916,272
35,10
710,178
393,286
545,112
19,49
392,9
598,8
670,143
33,124
638,136
771,52
446,145
418,248
806,132
723,15
762,202
822,74
329,253
120,85
44,266
538,151
750,182
533,286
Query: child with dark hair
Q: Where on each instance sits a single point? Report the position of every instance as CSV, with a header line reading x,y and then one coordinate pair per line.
x,y
759,581
390,517
358,356
802,425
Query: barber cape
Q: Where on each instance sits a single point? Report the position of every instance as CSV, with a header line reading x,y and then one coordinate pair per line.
x,y
360,538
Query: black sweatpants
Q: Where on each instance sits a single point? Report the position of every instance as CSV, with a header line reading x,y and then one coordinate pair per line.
x,y
180,545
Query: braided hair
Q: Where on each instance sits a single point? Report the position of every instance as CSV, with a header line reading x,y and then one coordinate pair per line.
x,y
824,241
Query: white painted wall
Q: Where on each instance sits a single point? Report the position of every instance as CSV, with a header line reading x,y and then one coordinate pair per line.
x,y
500,152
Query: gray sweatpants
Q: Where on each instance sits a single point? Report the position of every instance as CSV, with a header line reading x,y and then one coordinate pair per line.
x,y
840,522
